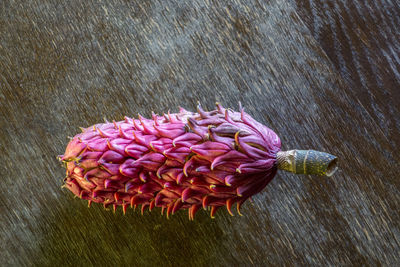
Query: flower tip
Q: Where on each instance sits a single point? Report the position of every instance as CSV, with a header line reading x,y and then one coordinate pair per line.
x,y
238,209
124,209
229,206
238,193
238,170
132,200
142,209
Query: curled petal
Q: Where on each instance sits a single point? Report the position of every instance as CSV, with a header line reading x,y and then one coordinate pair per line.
x,y
97,145
152,205
229,203
210,150
126,131
222,189
161,144
170,132
150,161
177,153
165,194
147,126
73,186
226,129
110,184
119,145
257,166
89,134
132,186
89,164
91,155
194,191
108,133
135,150
193,210
128,168
192,164
178,205
97,173
142,139
112,157
143,208
232,155
173,187
212,201
111,168
140,199
229,141
187,139
210,121
73,150
149,187
235,179
202,131
214,211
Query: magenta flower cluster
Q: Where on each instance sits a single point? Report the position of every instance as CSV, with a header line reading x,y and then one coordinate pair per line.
x,y
184,160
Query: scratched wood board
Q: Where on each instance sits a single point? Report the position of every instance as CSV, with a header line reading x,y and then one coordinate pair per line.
x,y
68,65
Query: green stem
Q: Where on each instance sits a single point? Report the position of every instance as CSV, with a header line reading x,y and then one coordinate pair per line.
x,y
307,162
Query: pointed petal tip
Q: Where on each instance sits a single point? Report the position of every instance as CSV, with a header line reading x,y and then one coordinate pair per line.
x,y
229,206
238,208
124,208
213,211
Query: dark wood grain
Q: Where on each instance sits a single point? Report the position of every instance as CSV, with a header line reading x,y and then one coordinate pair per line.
x,y
64,66
362,39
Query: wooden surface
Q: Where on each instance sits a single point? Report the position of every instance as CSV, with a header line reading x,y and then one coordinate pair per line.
x,y
322,74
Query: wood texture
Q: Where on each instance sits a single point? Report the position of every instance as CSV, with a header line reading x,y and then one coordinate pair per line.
x,y
362,39
323,75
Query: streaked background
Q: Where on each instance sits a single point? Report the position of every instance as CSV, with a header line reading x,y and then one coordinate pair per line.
x,y
323,74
